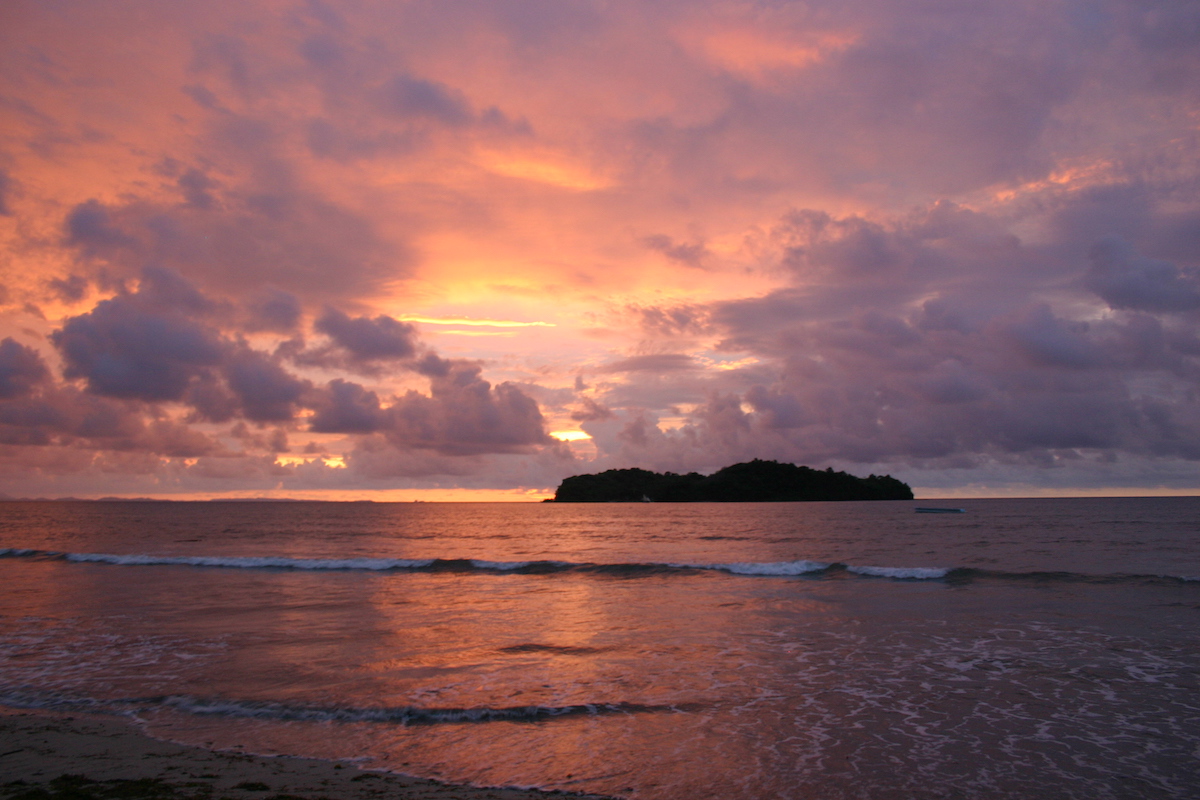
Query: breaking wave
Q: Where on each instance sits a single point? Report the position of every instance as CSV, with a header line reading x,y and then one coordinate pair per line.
x,y
799,568
284,712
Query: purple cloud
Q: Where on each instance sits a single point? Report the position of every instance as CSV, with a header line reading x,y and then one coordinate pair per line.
x,y
378,339
21,369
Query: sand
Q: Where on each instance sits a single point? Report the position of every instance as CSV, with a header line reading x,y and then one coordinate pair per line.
x,y
76,758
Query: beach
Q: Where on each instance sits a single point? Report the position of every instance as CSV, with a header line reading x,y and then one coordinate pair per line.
x,y
39,750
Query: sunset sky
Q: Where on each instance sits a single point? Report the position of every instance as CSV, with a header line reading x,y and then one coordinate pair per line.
x,y
463,249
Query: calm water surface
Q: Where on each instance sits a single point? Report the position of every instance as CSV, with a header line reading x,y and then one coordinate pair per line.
x,y
1027,648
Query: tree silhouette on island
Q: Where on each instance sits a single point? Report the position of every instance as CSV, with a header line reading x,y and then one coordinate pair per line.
x,y
754,482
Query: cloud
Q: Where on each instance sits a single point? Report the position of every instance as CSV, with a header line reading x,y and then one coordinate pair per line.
x,y
408,97
139,345
833,232
692,254
931,363
159,358
264,389
1126,280
89,227
378,339
346,407
1052,342
66,418
161,343
273,310
21,369
464,414
657,363
267,236
6,191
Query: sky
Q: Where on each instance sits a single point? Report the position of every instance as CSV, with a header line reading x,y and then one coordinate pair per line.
x,y
462,249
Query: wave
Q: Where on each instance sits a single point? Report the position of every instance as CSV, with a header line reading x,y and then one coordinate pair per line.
x,y
799,568
284,712
403,715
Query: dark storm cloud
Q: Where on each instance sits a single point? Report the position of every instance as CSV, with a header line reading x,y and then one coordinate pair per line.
x,y
346,407
89,226
1126,280
1049,341
21,369
139,345
264,389
163,343
380,339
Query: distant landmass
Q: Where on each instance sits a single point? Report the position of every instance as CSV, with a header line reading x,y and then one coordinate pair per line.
x,y
753,481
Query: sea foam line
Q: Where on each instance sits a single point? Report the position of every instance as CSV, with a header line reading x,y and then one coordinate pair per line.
x,y
405,715
799,568
283,712
254,562
749,568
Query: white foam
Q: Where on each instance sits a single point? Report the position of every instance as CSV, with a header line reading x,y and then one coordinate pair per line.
x,y
750,568
254,562
911,573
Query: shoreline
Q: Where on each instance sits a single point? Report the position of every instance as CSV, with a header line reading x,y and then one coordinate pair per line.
x,y
80,757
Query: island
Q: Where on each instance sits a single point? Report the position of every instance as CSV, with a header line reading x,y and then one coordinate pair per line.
x,y
754,481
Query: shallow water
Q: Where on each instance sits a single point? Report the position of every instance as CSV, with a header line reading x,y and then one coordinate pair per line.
x,y
836,650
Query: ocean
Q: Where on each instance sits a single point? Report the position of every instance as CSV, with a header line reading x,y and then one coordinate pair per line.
x,y
1025,648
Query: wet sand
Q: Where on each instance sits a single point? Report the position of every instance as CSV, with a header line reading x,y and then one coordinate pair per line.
x,y
76,758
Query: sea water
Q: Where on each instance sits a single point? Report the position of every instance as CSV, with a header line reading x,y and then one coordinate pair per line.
x,y
1025,648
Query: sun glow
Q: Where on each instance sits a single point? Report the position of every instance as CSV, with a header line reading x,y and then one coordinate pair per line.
x,y
570,436
548,170
285,460
489,323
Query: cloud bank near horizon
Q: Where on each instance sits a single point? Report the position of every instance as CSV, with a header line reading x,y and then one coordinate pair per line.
x,y
960,245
